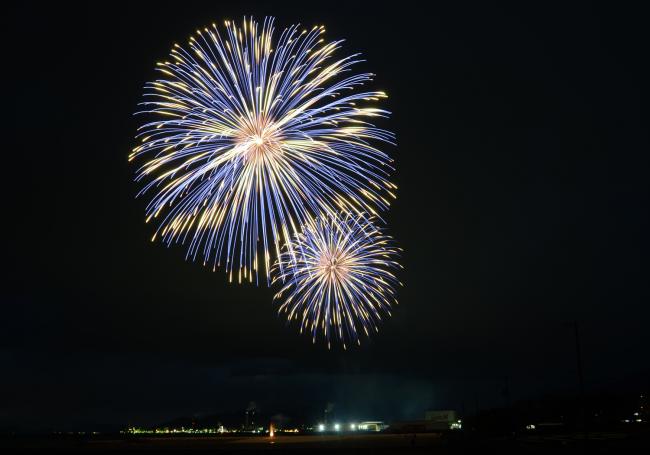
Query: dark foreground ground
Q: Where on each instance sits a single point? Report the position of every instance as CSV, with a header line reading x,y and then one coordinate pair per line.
x,y
615,443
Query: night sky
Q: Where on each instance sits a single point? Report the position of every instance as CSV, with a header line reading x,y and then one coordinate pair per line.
x,y
522,166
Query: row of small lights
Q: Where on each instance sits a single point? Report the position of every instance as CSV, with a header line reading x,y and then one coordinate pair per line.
x,y
337,427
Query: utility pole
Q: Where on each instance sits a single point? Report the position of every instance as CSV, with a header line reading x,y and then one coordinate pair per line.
x,y
506,396
581,380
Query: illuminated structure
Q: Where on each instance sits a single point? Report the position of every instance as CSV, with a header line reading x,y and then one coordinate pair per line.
x,y
434,421
443,419
249,423
374,425
254,135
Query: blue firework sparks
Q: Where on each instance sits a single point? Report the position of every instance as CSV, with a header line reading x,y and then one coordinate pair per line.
x,y
254,136
337,277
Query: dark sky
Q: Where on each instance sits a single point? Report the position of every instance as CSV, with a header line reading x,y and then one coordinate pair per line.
x,y
522,165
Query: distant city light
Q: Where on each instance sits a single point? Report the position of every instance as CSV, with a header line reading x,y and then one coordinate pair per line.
x,y
321,427
182,430
353,426
337,426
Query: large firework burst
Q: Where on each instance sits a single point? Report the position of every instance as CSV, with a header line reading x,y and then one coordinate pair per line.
x,y
337,277
252,138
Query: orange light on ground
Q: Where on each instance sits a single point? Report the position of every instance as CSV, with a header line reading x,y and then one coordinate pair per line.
x,y
271,431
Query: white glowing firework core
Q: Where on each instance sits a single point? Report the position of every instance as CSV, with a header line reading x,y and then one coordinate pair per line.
x,y
334,265
261,145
